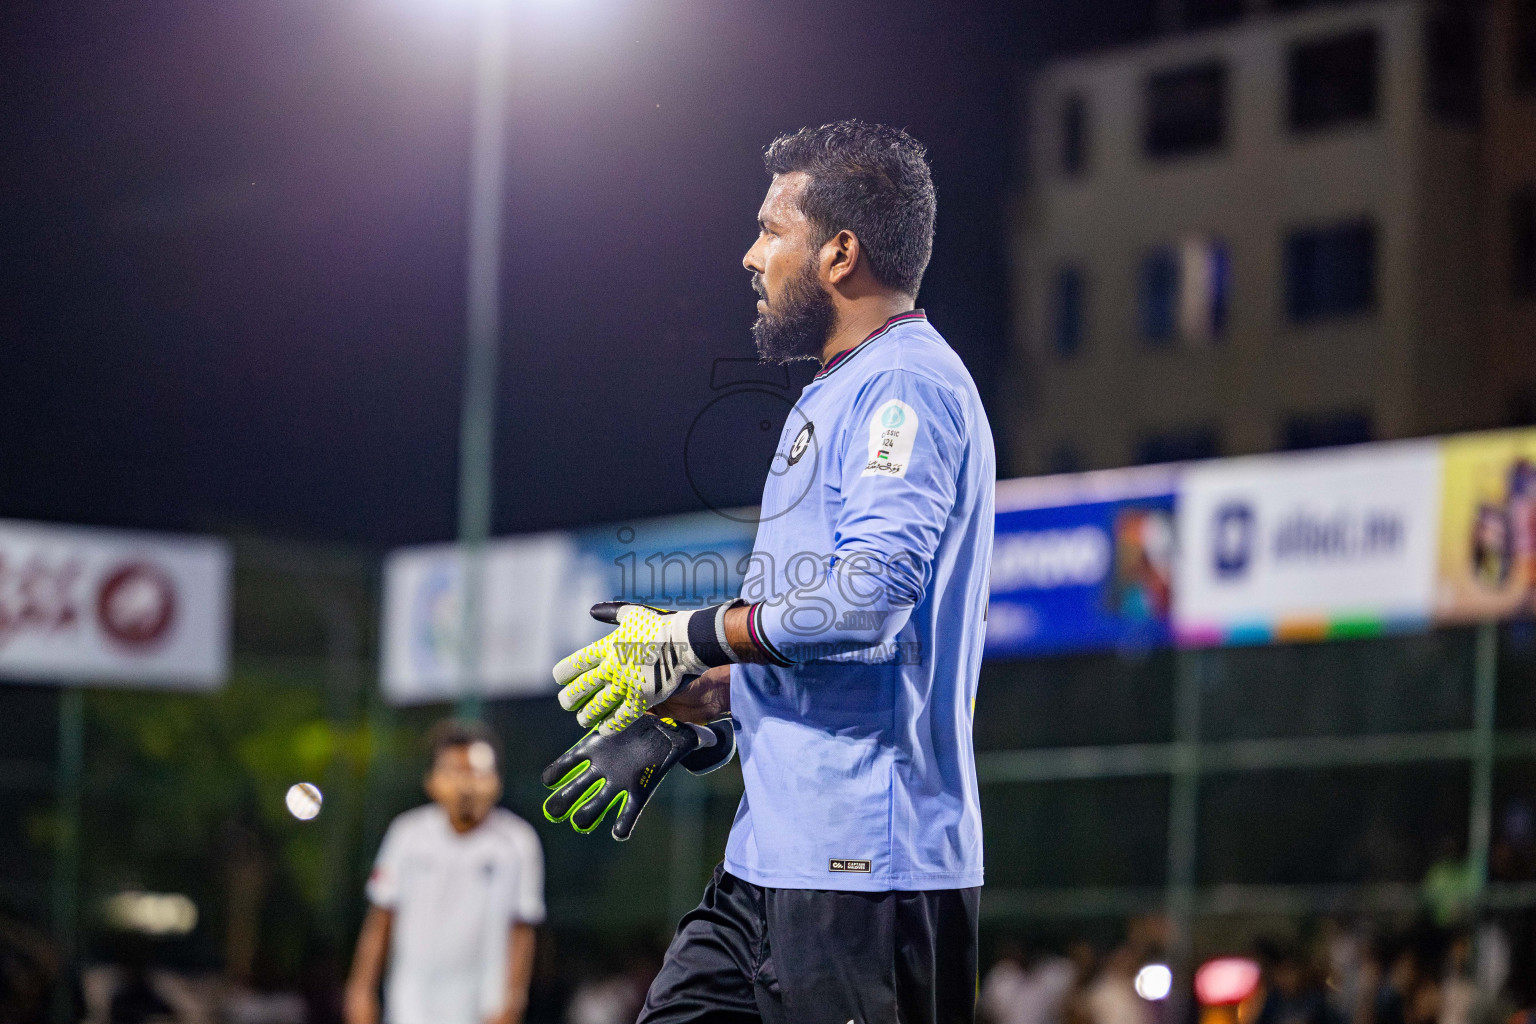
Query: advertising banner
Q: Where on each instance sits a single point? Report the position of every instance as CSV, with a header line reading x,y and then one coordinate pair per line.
x,y
1487,558
1308,546
1082,563
423,594
79,605
1347,542
538,590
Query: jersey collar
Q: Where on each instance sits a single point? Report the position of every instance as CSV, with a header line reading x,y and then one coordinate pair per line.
x,y
847,353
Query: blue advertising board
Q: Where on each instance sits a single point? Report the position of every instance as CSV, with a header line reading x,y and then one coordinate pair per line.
x,y
684,561
1081,569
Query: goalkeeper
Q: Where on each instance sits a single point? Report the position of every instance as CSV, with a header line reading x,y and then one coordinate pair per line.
x,y
851,880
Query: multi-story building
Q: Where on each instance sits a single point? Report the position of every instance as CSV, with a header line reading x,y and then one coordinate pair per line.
x,y
1255,236
1509,213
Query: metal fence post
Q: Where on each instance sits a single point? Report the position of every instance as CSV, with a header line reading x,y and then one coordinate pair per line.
x,y
66,865
686,863
343,681
1183,823
477,430
1485,684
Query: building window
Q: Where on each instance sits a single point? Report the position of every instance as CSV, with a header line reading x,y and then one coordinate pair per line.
x,y
1184,291
1069,311
1065,458
1523,43
1330,271
1183,445
1159,294
1204,13
1186,110
1301,432
1522,226
1074,136
1520,409
1452,60
1333,81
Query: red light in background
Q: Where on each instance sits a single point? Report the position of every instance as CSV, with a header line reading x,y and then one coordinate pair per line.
x,y
1225,981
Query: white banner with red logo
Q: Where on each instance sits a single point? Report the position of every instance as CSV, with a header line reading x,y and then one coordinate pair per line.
x,y
79,605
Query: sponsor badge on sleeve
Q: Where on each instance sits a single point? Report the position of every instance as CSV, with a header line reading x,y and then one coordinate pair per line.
x,y
892,433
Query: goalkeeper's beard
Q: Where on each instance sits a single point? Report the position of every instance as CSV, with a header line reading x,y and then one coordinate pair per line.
x,y
800,327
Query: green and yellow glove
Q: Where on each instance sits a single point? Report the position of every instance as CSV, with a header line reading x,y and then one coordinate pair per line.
x,y
621,770
653,653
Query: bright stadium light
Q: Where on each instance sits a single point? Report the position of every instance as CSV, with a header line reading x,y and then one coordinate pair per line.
x,y
487,202
1154,982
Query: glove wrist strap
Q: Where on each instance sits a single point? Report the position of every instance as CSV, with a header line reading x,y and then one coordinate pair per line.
x,y
706,735
706,635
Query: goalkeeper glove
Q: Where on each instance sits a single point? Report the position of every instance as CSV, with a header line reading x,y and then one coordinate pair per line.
x,y
622,769
652,654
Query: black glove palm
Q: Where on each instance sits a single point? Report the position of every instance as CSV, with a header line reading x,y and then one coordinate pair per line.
x,y
619,770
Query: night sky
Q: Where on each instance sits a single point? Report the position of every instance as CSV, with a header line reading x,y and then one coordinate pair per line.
x,y
232,293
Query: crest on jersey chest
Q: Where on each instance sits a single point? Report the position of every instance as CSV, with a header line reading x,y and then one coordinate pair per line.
x,y
802,442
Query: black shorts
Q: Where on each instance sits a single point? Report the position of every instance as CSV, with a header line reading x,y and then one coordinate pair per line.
x,y
815,956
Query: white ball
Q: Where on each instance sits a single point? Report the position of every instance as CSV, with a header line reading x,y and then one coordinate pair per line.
x,y
304,800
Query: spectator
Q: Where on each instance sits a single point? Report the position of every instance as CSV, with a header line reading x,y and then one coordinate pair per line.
x,y
1491,962
1112,998
1394,997
1293,992
1026,986
1350,980
456,892
29,966
137,1000
1458,987
616,998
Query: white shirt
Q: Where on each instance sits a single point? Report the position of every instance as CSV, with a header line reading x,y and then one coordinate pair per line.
x,y
1113,1000
455,898
1034,995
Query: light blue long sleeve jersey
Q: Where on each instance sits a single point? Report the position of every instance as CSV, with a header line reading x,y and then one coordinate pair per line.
x,y
869,583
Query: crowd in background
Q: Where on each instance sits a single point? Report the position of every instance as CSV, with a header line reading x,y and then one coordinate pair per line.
x,y
1332,972
1440,965
1328,971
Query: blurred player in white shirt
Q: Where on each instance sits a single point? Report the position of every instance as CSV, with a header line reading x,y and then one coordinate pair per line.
x,y
455,894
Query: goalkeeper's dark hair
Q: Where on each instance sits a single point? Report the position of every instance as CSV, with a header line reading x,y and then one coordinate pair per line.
x,y
461,732
869,179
